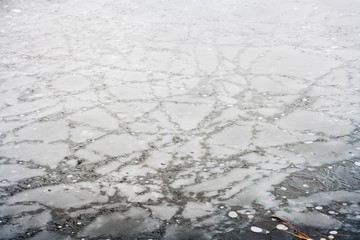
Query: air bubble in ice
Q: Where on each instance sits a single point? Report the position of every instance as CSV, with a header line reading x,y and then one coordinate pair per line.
x,y
256,229
232,214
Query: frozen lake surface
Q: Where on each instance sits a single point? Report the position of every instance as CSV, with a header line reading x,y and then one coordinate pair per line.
x,y
174,120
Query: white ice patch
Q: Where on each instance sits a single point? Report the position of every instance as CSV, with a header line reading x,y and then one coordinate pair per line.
x,y
326,198
61,196
293,62
97,118
233,214
282,227
110,145
251,193
222,181
302,120
256,229
71,83
163,212
230,137
194,210
183,114
134,221
13,173
43,131
41,153
81,134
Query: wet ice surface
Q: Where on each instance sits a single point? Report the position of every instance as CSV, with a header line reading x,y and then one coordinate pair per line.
x,y
179,119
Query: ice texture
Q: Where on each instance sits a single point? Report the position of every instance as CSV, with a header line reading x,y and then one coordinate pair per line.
x,y
179,119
